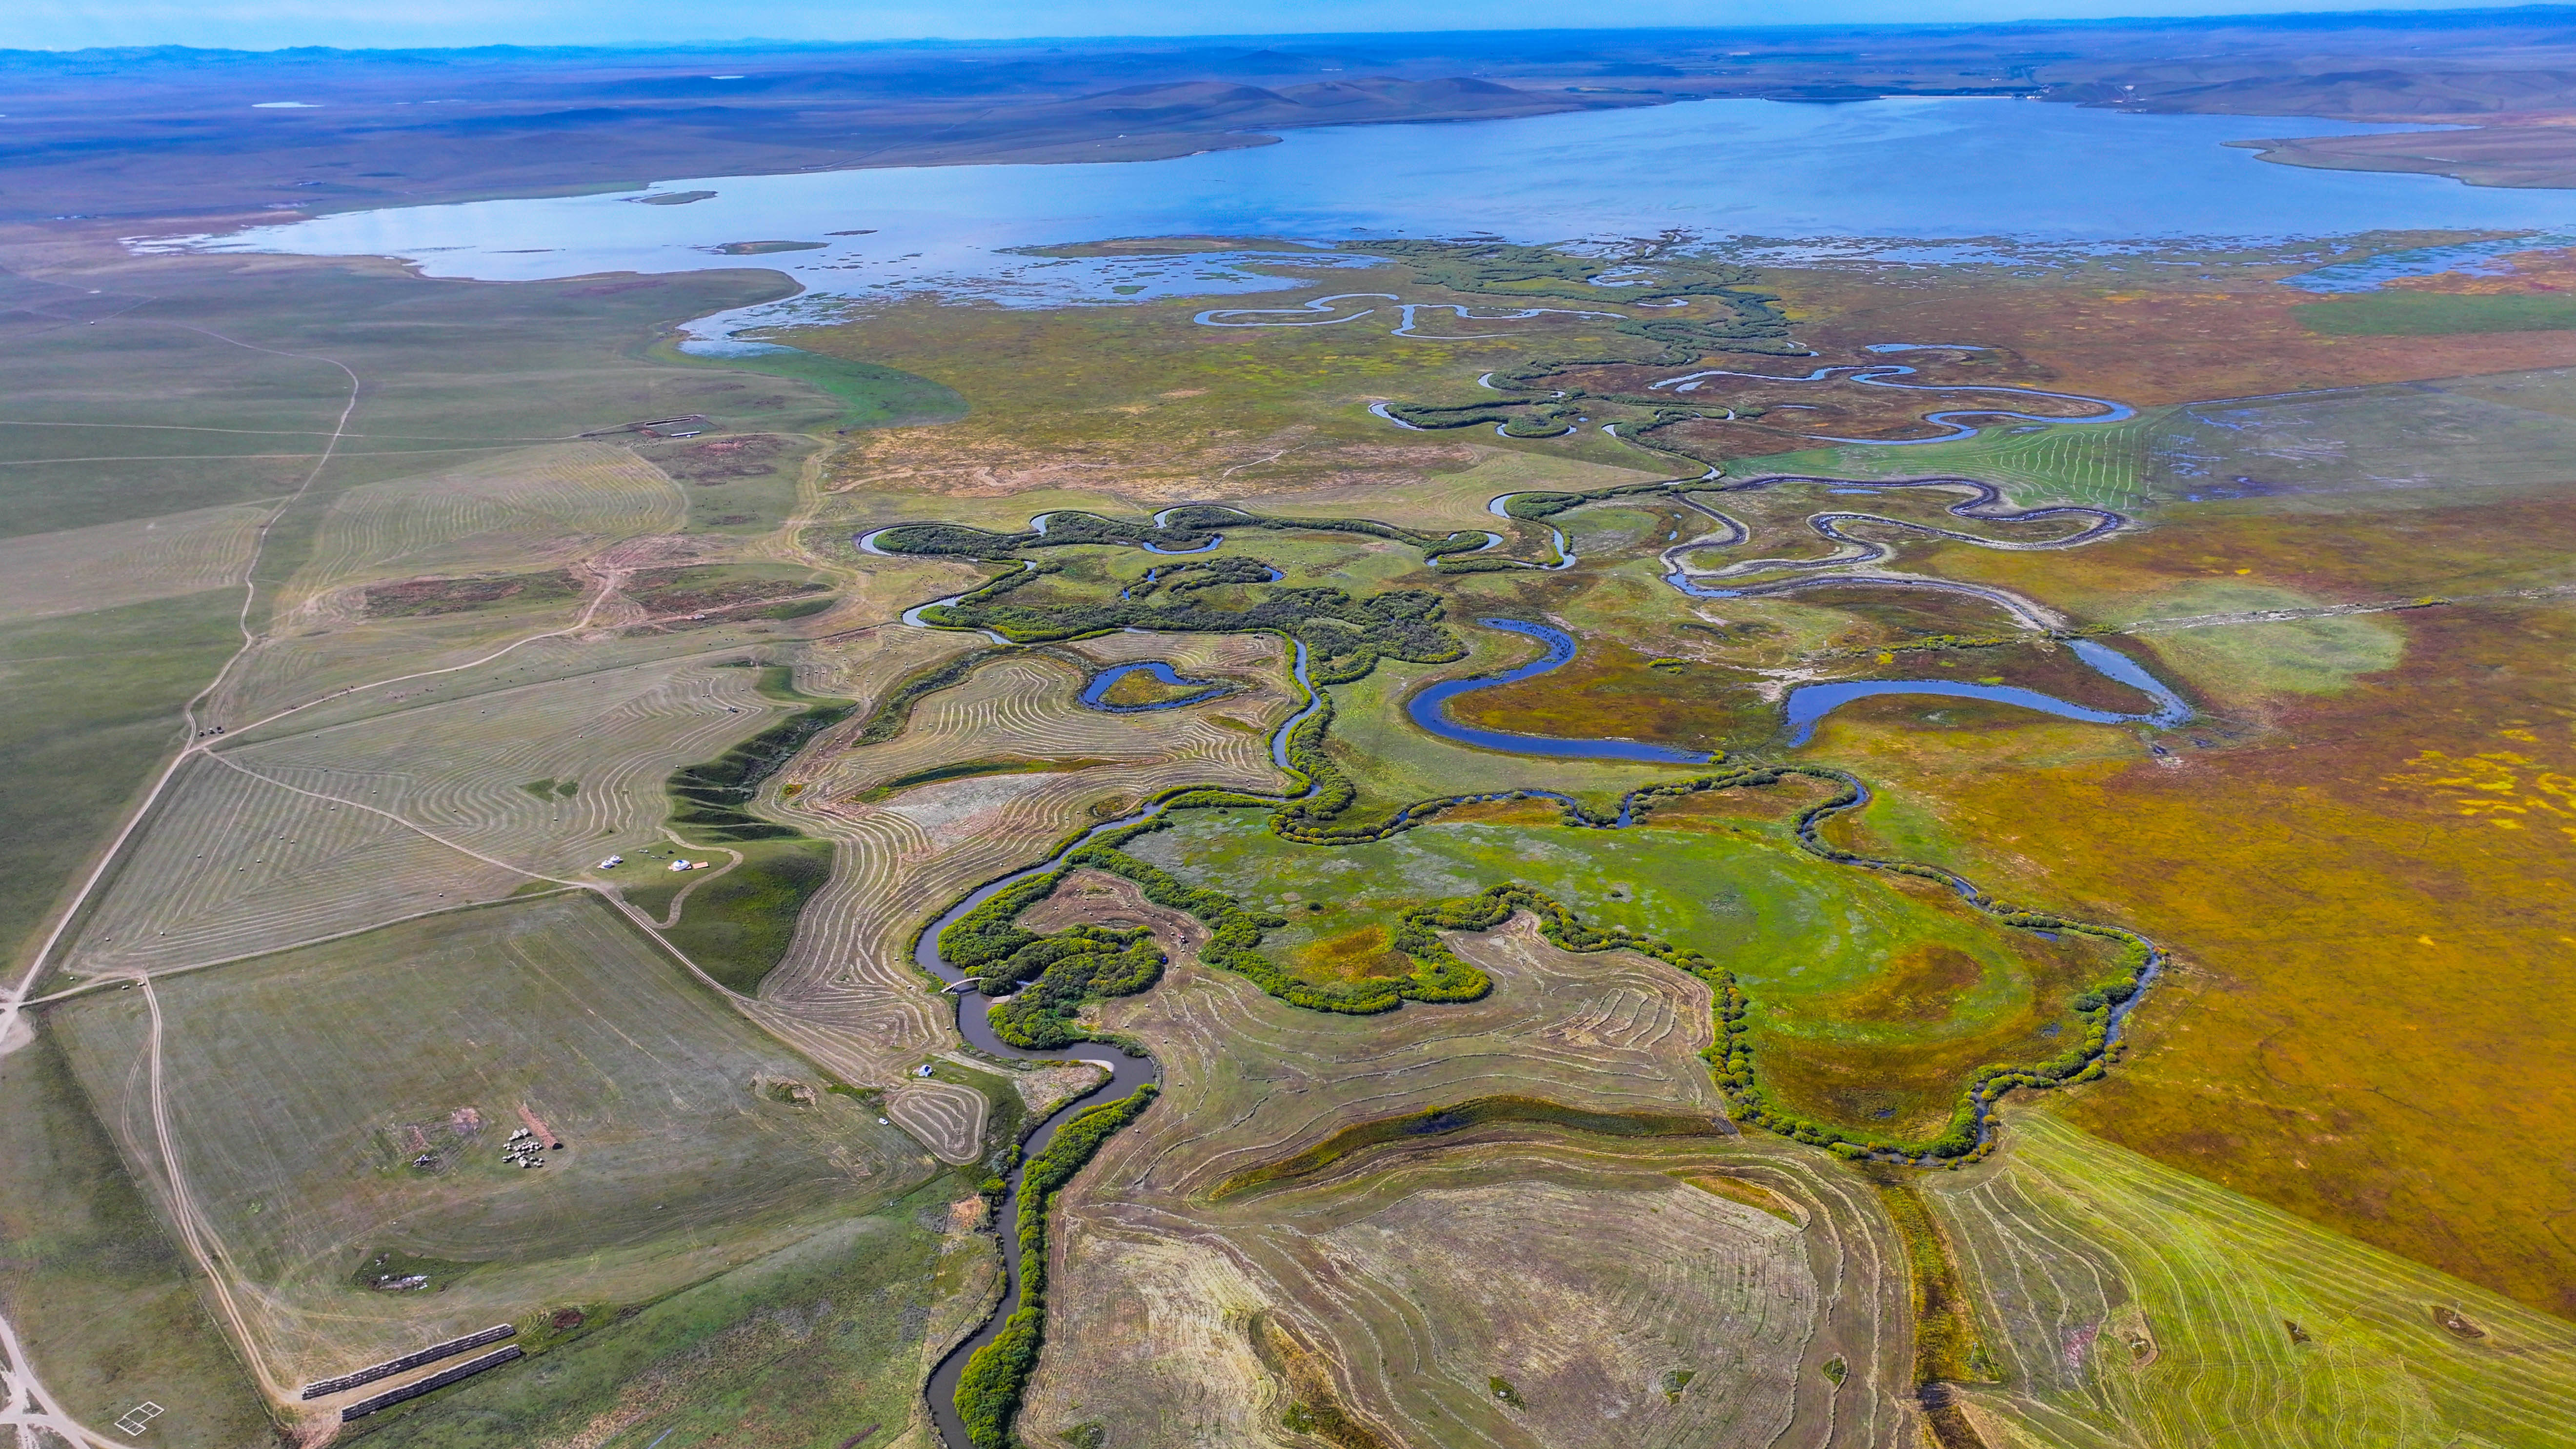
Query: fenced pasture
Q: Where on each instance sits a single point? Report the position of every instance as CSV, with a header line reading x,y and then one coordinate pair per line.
x,y
2141,1306
108,565
234,864
339,828
301,1090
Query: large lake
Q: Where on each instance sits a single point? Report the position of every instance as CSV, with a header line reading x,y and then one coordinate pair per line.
x,y
1945,171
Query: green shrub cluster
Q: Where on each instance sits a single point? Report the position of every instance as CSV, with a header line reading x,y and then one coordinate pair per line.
x,y
1182,530
1181,578
990,933
1307,818
895,710
708,799
1219,515
1519,417
1065,527
1046,980
1477,1112
1536,506
1935,643
997,1376
1752,323
1066,970
1057,975
1521,272
1235,935
1344,637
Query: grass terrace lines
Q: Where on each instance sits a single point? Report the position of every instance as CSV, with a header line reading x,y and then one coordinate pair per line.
x,y
2137,1300
366,1048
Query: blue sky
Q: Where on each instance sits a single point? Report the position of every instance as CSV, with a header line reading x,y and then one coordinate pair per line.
x,y
261,24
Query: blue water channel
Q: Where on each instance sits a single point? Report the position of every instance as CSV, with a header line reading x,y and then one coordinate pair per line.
x,y
1430,709
1810,703
1807,704
1095,694
1126,1073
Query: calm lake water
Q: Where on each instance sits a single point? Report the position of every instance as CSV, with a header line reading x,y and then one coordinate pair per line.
x,y
1940,173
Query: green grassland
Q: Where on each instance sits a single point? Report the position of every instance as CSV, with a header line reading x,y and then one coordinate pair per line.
x,y
1872,999
870,396
2130,1303
301,1087
2388,313
811,1345
738,483
2424,441
1167,403
1140,690
93,1284
451,368
2104,465
738,926
89,705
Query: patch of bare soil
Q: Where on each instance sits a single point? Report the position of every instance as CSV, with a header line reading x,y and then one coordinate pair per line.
x,y
418,598
1051,1087
717,461
672,591
2456,1323
1145,470
1097,898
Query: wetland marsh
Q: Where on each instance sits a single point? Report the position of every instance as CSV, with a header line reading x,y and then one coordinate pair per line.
x,y
1163,769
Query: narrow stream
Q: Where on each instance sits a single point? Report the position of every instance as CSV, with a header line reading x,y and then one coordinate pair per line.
x,y
1808,704
1427,708
974,1012
1095,694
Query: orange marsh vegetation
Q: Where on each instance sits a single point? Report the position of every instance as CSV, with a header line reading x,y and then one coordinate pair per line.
x,y
2373,1021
